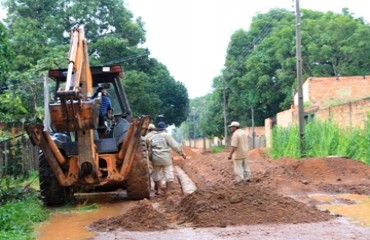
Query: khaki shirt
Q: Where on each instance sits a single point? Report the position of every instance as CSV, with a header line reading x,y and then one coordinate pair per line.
x,y
160,147
147,137
240,140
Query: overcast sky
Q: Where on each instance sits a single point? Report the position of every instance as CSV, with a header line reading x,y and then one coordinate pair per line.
x,y
190,37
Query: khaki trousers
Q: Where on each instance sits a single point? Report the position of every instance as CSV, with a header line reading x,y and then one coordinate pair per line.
x,y
242,170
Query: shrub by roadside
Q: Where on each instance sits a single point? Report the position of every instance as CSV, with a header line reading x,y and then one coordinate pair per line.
x,y
18,217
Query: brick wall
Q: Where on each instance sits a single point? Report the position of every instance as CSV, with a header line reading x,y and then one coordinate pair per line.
x,y
327,91
201,143
259,131
269,124
352,114
285,118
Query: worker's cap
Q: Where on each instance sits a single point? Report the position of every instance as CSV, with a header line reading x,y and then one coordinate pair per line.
x,y
151,126
234,124
161,126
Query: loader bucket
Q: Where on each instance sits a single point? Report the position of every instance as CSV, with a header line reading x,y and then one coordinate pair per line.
x,y
76,116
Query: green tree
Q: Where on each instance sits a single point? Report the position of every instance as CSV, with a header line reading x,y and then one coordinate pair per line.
x,y
6,54
11,105
174,105
260,66
213,121
8,106
40,38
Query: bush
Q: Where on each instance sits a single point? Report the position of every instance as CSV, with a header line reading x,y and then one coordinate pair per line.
x,y
217,149
322,139
17,218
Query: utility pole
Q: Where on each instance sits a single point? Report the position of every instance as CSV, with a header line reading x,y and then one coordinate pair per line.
x,y
189,132
194,135
299,78
253,128
225,113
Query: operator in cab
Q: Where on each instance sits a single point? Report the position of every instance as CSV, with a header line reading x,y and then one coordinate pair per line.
x,y
106,104
106,110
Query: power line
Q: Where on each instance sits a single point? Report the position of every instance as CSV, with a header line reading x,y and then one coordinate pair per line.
x,y
266,29
124,59
9,86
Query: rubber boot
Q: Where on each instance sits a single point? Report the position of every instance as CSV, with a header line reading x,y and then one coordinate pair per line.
x,y
156,187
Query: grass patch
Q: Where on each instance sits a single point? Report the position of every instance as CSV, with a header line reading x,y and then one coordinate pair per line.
x,y
87,208
285,142
322,139
217,149
20,207
84,207
18,217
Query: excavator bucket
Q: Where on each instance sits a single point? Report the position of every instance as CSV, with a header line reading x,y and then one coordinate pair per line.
x,y
74,115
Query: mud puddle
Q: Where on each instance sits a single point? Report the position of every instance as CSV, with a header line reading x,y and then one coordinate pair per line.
x,y
352,206
72,225
330,230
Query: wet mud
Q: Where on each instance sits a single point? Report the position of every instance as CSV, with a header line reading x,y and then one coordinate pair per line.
x,y
280,203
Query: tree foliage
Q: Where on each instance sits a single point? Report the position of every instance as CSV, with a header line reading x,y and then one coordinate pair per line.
x,y
260,66
39,32
6,55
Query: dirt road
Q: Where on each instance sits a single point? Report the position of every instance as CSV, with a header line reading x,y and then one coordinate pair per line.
x,y
282,202
276,205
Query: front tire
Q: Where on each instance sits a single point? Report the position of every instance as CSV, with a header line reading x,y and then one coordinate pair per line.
x,y
52,194
138,183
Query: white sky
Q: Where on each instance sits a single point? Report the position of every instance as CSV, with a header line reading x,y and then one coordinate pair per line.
x,y
190,37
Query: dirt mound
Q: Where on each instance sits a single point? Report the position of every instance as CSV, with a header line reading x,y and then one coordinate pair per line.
x,y
328,174
263,201
332,169
242,205
277,194
139,218
188,152
257,153
340,174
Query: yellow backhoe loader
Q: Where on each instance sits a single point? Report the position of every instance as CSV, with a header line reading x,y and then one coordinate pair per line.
x,y
85,152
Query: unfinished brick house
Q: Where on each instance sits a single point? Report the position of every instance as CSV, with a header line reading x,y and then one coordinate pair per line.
x,y
345,100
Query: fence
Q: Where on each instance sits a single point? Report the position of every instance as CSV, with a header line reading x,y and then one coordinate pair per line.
x,y
256,139
18,156
256,142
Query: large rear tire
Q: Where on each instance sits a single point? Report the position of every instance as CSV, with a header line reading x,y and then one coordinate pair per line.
x,y
52,194
138,182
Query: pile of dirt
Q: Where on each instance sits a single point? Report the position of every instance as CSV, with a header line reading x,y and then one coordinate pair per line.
x,y
210,169
188,152
332,169
277,194
257,153
142,217
325,173
245,205
325,169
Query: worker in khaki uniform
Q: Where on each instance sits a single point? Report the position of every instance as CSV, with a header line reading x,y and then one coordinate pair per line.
x,y
161,144
151,131
239,153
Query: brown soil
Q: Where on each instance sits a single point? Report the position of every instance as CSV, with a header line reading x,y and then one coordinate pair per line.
x,y
279,193
140,217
